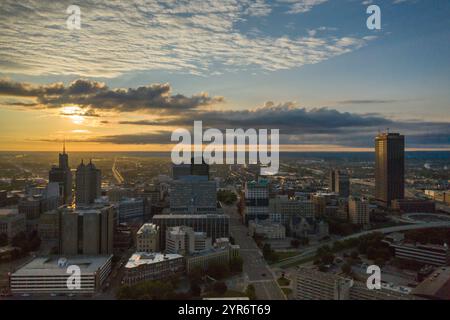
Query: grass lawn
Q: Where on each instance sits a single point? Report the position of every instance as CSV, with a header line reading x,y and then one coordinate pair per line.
x,y
283,282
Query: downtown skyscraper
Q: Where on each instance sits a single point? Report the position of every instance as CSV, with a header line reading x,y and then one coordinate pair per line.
x,y
63,176
88,183
389,167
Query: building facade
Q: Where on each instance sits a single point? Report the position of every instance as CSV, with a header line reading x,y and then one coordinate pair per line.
x,y
147,238
87,230
256,200
48,275
340,183
12,222
389,167
62,175
88,183
358,211
214,225
152,266
425,253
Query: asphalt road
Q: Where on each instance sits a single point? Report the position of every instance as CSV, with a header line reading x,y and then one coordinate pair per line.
x,y
255,268
310,251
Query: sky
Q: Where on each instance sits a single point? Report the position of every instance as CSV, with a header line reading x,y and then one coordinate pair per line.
x,y
137,70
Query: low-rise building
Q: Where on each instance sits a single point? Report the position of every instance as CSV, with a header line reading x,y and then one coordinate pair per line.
x,y
413,205
131,209
184,240
48,275
147,238
437,255
221,254
315,285
214,225
436,286
267,229
144,266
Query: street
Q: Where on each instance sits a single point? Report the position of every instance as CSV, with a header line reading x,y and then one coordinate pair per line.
x,y
255,267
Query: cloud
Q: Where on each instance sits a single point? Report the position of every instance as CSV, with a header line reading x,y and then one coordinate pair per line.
x,y
301,126
301,6
93,95
284,116
200,37
366,101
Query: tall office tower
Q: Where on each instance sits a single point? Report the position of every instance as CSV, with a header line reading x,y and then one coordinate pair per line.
x,y
63,176
88,183
256,200
191,195
389,167
179,171
87,230
340,183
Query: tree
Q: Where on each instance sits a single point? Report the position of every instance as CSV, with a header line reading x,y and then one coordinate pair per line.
x,y
196,275
226,196
251,292
236,264
220,287
268,253
346,268
218,270
195,290
295,243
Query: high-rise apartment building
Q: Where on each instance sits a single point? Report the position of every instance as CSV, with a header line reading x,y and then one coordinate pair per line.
x,y
88,183
389,167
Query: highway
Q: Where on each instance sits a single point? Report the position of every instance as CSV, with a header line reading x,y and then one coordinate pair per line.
x,y
311,251
116,173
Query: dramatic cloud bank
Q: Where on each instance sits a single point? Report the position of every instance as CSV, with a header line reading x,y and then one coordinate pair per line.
x,y
97,96
190,36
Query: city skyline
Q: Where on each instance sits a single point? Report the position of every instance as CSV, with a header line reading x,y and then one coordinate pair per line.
x,y
123,83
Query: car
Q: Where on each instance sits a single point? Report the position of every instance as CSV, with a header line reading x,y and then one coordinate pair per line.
x,y
263,274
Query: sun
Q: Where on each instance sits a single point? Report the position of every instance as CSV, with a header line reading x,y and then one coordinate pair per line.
x,y
74,113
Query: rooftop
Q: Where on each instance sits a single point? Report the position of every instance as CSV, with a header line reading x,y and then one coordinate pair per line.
x,y
141,258
436,286
57,265
8,212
